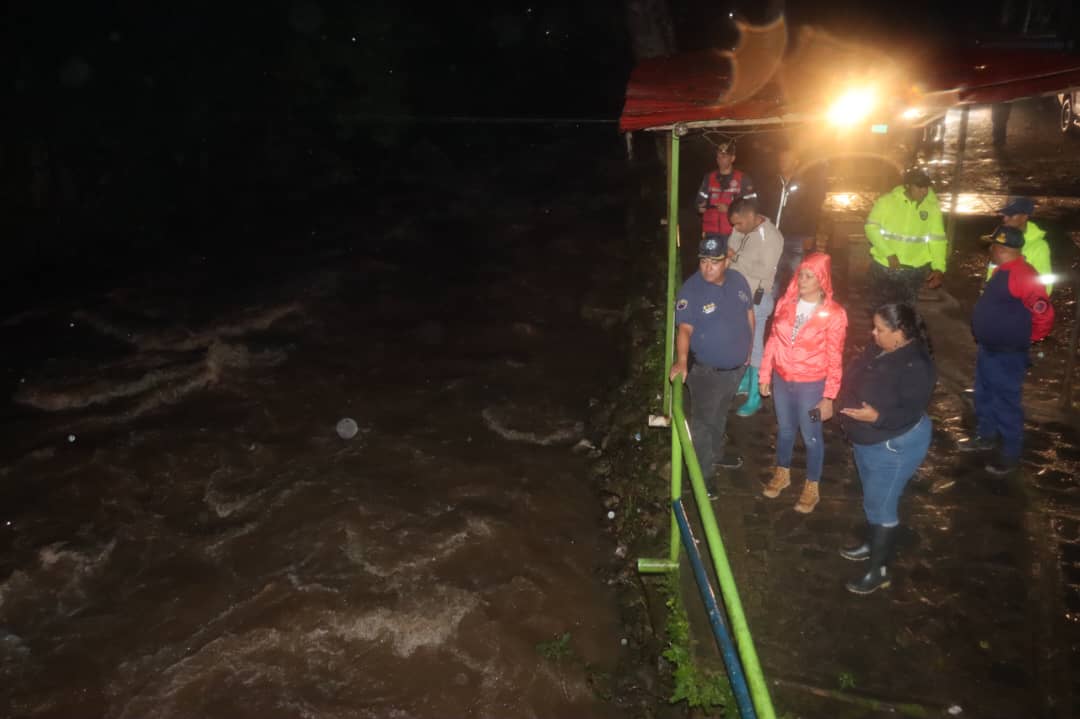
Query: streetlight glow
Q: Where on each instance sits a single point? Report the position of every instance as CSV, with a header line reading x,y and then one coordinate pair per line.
x,y
853,106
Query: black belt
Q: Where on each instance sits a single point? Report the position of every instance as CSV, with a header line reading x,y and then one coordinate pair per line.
x,y
709,368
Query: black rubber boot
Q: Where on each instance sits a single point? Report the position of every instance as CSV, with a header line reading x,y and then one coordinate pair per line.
x,y
859,552
881,544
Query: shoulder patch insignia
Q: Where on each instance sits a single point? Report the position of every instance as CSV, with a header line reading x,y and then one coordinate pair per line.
x,y
681,305
709,308
1039,307
743,296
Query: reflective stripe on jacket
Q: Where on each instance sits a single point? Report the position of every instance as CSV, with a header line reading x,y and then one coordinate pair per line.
x,y
915,233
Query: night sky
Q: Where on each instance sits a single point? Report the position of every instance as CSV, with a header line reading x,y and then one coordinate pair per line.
x,y
135,122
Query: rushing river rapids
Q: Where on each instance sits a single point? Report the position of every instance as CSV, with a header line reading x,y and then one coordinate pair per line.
x,y
188,536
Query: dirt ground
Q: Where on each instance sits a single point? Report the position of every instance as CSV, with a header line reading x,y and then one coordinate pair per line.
x,y
981,618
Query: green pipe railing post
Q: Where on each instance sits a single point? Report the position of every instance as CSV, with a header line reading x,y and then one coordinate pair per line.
x,y
676,486
656,566
759,690
673,254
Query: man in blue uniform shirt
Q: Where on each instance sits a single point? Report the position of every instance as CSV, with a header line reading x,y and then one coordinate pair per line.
x,y
715,315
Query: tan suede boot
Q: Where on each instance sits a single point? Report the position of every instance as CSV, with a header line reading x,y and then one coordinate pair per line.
x,y
780,481
809,498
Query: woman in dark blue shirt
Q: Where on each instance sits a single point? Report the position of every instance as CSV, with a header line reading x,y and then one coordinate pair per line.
x,y
883,403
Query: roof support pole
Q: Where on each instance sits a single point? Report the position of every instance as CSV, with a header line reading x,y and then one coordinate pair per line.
x,y
673,259
669,329
1070,362
954,206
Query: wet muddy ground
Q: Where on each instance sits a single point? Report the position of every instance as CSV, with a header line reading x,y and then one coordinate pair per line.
x,y
981,620
184,533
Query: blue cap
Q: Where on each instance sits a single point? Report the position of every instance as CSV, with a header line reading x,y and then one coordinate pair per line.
x,y
713,246
1008,236
1018,206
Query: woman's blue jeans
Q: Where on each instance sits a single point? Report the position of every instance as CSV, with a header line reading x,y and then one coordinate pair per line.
x,y
793,402
885,469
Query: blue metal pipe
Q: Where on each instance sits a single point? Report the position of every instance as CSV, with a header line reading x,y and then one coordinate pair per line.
x,y
720,630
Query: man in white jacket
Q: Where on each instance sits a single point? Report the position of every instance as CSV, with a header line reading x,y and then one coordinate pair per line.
x,y
755,247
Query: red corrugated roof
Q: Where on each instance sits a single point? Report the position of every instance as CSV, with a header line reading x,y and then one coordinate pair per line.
x,y
685,88
983,75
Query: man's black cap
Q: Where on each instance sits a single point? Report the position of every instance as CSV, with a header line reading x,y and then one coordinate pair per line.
x,y
713,246
916,177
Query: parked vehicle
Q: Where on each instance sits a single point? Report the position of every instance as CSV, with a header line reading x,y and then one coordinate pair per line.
x,y
1069,122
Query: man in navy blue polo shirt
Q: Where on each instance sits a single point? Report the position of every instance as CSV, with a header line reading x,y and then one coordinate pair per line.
x,y
715,315
1012,312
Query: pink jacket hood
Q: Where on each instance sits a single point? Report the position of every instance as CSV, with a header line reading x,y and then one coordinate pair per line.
x,y
821,265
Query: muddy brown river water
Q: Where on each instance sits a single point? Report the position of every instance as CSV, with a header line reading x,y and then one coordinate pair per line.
x,y
198,541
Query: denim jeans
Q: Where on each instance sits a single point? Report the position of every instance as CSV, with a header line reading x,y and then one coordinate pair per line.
x,y
711,394
793,402
885,469
762,313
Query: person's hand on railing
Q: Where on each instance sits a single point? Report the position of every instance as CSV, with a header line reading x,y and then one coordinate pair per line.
x,y
678,368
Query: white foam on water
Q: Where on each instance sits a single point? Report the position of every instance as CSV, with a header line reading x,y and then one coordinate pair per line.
x,y
215,548
220,499
430,621
263,663
435,548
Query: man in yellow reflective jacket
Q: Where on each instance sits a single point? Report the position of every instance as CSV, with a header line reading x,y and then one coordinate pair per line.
x,y
1036,249
907,241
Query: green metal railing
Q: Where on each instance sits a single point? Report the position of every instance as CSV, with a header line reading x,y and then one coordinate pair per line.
x,y
682,452
669,324
744,642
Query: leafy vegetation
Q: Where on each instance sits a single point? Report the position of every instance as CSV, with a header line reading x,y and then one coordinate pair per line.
x,y
846,680
699,687
556,650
